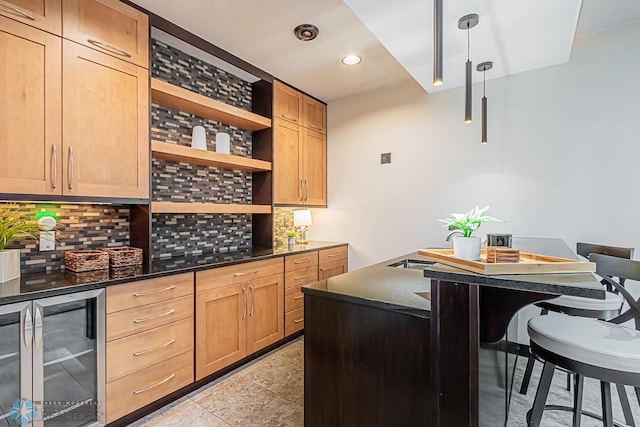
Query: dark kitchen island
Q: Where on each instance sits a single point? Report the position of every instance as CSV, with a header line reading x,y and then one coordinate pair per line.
x,y
407,344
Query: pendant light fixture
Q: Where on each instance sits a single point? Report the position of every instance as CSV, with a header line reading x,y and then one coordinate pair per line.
x,y
437,43
484,67
466,23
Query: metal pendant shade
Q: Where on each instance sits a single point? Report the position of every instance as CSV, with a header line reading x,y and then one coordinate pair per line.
x,y
437,43
466,23
484,67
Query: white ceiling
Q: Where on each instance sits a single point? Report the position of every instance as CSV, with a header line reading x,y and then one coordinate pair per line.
x,y
393,37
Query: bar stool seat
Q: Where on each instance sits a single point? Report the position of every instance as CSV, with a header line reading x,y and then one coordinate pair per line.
x,y
593,342
612,302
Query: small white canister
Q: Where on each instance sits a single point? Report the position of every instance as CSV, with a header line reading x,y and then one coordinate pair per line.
x,y
223,144
199,138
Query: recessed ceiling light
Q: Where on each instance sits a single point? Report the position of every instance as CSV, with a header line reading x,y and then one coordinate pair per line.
x,y
306,32
351,60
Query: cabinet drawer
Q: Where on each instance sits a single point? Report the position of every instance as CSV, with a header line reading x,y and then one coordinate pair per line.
x,y
302,276
304,260
130,354
240,273
108,26
139,319
43,14
333,268
148,385
143,292
293,298
327,255
293,321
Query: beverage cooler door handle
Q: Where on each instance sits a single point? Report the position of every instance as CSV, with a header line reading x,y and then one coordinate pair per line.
x,y
27,332
38,327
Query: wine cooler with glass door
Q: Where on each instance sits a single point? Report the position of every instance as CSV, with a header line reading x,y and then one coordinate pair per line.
x,y
52,361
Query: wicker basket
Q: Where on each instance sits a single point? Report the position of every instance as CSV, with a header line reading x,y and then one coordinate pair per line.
x,y
124,256
80,261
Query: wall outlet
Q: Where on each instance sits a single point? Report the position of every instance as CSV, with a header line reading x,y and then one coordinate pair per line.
x,y
385,158
47,241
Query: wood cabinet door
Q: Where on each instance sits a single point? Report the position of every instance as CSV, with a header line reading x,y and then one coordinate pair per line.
x,y
220,328
315,168
105,125
30,110
108,26
314,115
287,174
265,319
332,268
287,103
43,14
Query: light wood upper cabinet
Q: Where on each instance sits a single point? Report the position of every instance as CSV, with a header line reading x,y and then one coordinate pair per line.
x,y
287,103
105,125
108,26
42,14
287,170
30,134
314,115
314,165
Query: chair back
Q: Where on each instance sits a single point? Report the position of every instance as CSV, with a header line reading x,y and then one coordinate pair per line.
x,y
585,249
609,267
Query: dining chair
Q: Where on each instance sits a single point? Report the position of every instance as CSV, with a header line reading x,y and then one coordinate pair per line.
x,y
605,350
603,309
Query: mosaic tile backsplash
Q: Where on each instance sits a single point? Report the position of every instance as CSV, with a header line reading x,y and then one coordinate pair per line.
x,y
282,222
80,227
172,234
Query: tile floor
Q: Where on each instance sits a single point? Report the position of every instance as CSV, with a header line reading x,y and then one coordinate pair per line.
x,y
266,392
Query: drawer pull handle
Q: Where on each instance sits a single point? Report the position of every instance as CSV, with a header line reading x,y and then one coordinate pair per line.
x,y
332,255
140,294
142,390
300,261
149,350
298,297
288,117
298,320
312,126
301,277
108,48
17,11
245,273
145,319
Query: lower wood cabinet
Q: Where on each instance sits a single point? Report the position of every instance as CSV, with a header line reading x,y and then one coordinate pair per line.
x,y
333,262
234,320
300,269
149,351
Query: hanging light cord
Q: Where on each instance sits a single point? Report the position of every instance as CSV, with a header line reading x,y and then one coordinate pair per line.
x,y
468,41
484,74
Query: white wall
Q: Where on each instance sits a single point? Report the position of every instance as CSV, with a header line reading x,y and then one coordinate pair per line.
x,y
562,159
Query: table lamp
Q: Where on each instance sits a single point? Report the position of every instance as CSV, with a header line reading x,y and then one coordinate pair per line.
x,y
302,219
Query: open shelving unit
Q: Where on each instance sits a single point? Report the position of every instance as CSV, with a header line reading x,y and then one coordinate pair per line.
x,y
208,208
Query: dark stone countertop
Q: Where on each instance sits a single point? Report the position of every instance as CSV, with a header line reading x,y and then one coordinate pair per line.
x,y
42,285
408,290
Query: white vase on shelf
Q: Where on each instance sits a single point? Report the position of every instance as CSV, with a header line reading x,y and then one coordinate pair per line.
x,y
467,247
223,143
9,264
199,138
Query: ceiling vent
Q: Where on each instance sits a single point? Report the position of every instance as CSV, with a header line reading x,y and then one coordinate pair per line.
x,y
306,32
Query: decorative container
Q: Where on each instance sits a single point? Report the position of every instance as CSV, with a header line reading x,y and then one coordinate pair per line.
x,y
199,138
223,143
467,247
291,241
80,261
124,256
9,264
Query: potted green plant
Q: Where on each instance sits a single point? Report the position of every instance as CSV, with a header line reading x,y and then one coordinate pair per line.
x,y
465,245
13,227
291,237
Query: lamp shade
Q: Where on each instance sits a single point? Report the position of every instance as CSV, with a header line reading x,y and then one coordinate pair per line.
x,y
301,217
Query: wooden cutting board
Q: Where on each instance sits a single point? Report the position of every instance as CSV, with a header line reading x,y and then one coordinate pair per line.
x,y
529,263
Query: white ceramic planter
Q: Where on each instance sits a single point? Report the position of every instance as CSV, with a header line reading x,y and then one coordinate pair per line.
x,y
291,241
467,247
9,264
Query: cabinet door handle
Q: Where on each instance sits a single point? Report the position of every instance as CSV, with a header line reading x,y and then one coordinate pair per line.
x,y
306,191
298,297
28,330
146,319
142,390
321,273
70,168
312,126
301,190
288,117
108,48
149,350
245,273
17,11
298,320
301,277
253,300
54,167
244,312
300,261
38,327
140,294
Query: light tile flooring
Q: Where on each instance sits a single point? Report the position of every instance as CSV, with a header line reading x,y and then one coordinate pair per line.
x,y
266,392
